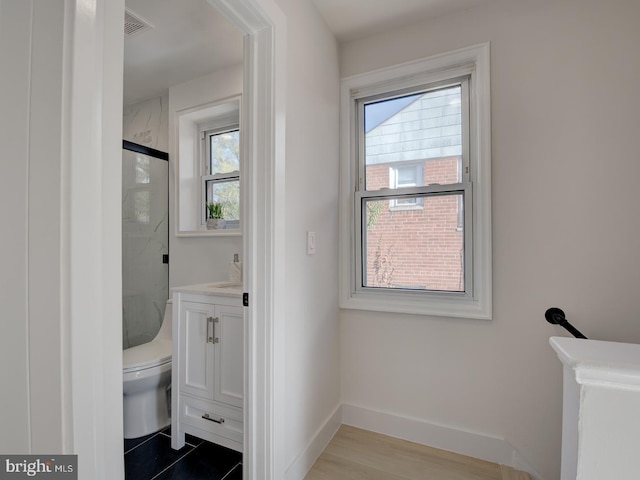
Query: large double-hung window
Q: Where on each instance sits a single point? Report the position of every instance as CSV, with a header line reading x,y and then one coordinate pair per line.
x,y
409,237
416,188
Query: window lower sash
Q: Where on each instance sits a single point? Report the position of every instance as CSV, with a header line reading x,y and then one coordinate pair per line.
x,y
415,251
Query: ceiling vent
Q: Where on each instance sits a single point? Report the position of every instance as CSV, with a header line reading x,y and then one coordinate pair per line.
x,y
133,24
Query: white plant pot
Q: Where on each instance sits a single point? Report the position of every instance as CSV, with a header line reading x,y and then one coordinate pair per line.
x,y
216,223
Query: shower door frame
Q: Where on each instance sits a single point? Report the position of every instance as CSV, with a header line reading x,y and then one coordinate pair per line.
x,y
161,156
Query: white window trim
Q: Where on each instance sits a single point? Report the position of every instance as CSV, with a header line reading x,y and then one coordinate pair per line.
x,y
189,123
475,61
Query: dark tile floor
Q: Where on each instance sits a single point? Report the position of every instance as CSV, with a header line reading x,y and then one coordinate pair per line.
x,y
152,458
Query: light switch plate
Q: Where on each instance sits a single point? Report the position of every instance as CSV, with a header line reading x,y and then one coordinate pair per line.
x,y
311,243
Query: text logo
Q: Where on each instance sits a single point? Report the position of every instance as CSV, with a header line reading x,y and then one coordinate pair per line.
x,y
49,467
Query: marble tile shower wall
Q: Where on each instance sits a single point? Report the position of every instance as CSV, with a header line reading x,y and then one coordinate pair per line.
x,y
144,222
145,238
147,123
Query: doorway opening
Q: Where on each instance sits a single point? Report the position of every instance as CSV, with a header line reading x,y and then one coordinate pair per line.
x,y
262,221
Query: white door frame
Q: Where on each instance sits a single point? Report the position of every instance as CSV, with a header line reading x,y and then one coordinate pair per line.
x,y
90,287
263,147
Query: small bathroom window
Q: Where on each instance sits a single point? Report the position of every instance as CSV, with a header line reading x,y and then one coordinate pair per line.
x,y
209,164
221,181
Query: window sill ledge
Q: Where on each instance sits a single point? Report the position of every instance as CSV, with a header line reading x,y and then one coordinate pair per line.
x,y
417,304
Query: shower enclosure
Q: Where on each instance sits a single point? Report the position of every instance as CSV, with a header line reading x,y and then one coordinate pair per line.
x,y
145,242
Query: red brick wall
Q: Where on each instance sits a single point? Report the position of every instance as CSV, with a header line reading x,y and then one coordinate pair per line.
x,y
419,246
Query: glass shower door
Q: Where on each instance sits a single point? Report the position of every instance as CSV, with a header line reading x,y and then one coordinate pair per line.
x,y
145,245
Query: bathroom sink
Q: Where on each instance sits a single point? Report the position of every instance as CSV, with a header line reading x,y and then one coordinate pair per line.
x,y
225,285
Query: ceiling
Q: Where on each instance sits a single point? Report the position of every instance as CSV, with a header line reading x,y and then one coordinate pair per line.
x,y
352,19
190,39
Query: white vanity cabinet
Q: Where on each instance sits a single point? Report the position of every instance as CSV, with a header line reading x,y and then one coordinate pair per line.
x,y
207,366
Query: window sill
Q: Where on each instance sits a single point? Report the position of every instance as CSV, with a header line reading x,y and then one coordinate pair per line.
x,y
418,303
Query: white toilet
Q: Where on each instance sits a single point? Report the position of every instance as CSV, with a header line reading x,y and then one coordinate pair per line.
x,y
146,374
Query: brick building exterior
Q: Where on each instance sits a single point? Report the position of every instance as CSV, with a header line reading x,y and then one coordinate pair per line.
x,y
415,242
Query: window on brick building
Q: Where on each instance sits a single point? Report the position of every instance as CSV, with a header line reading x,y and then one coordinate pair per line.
x,y
420,143
403,176
416,220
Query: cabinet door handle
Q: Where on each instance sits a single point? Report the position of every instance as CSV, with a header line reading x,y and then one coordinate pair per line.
x,y
211,337
217,420
215,339
210,326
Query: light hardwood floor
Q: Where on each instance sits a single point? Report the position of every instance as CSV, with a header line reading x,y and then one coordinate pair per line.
x,y
355,454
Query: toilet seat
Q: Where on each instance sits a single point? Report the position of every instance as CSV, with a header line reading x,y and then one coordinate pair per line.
x,y
148,355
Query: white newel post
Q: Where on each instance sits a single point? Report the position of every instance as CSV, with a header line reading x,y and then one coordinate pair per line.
x,y
601,409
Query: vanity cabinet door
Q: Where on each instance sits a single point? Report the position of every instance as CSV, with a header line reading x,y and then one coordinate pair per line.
x,y
229,356
196,354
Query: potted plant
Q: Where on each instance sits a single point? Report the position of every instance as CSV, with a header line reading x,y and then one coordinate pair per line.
x,y
215,220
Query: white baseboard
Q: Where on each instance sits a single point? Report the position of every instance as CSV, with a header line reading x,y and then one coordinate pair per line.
x,y
301,465
520,463
466,442
474,444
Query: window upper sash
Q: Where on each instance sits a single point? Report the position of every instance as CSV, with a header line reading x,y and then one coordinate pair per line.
x,y
360,119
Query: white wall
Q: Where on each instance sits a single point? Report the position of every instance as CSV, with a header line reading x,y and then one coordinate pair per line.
x,y
312,357
60,118
195,259
15,42
31,43
565,226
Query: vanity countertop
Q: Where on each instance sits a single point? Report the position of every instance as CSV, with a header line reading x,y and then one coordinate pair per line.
x,y
226,289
